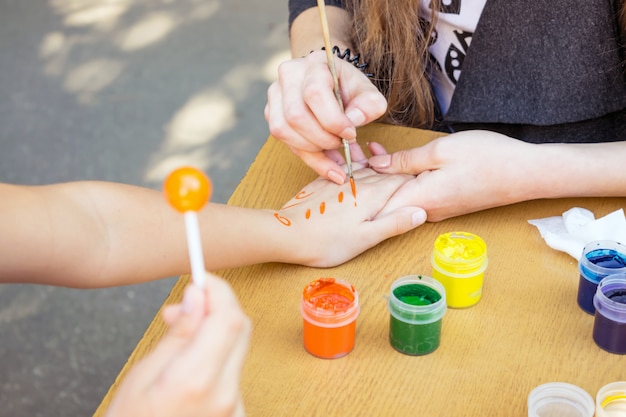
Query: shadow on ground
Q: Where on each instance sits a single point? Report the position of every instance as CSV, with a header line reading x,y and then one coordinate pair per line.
x,y
120,91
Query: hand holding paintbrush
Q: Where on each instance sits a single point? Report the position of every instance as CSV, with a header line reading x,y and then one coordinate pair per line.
x,y
302,107
331,66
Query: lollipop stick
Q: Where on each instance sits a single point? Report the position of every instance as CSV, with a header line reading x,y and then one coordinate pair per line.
x,y
194,243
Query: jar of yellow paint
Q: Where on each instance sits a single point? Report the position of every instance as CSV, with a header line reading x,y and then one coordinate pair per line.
x,y
459,260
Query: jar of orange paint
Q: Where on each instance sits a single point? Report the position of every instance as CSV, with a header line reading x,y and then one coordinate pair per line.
x,y
329,310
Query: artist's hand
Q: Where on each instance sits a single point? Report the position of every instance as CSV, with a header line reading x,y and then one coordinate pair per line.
x,y
339,226
195,369
462,173
302,110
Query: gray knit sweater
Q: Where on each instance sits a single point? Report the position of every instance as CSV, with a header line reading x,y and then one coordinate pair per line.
x,y
540,71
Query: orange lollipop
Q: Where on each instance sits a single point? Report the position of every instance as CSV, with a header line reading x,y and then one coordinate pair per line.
x,y
187,189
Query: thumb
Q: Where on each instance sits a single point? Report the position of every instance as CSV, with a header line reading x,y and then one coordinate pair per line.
x,y
397,222
183,325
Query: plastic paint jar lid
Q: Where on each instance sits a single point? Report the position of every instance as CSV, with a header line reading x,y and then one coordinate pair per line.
x,y
329,309
560,399
611,400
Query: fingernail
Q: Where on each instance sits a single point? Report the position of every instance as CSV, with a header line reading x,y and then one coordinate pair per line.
x,y
356,116
335,177
380,161
419,217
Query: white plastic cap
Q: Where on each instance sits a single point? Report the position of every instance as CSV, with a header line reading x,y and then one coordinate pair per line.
x,y
611,400
560,399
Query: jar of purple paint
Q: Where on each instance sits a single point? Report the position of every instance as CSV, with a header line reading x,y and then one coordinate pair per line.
x,y
609,326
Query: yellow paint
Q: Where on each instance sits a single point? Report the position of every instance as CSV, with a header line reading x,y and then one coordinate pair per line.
x,y
458,248
609,399
459,260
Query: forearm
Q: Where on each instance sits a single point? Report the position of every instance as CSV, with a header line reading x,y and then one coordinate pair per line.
x,y
577,170
97,234
306,30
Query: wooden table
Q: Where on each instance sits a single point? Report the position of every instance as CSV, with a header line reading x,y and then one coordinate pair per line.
x,y
526,330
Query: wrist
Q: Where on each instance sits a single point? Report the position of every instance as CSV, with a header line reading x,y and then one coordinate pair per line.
x,y
354,59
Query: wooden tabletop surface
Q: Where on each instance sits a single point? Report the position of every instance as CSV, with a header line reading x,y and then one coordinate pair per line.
x,y
527,329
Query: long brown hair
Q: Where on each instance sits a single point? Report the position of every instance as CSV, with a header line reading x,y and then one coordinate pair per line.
x,y
386,34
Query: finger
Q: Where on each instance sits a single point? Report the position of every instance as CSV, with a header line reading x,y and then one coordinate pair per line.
x,y
281,128
397,222
318,92
357,166
216,338
323,166
363,102
410,161
357,154
171,313
376,148
336,156
299,94
179,334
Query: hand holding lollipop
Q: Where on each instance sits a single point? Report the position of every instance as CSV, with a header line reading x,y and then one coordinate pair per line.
x,y
187,189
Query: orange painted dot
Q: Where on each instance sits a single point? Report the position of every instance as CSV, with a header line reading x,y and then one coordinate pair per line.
x,y
340,197
322,207
187,189
308,214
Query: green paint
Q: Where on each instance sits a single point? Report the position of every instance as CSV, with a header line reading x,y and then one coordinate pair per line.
x,y
414,339
417,295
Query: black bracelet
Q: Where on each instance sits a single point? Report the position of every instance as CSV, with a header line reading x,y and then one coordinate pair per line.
x,y
354,60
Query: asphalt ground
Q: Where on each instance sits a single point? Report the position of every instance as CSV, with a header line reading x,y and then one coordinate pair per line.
x,y
118,90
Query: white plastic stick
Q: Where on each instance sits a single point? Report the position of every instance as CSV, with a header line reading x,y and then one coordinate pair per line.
x,y
196,256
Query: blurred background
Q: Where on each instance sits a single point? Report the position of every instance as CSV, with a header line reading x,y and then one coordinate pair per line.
x,y
118,90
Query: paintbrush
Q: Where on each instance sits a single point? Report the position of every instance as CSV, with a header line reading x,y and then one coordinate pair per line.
x,y
333,71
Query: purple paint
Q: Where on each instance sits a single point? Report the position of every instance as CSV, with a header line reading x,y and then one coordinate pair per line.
x,y
599,259
609,326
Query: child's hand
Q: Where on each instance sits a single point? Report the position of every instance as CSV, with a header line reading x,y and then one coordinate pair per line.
x,y
195,369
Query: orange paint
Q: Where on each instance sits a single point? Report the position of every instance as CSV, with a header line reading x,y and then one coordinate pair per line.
x,y
322,208
282,219
353,187
329,310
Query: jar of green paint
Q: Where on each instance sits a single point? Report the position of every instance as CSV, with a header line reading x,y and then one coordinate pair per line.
x,y
416,305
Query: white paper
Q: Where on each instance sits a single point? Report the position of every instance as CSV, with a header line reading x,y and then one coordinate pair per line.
x,y
576,227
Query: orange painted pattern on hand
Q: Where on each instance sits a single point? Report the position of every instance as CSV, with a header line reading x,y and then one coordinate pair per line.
x,y
302,195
